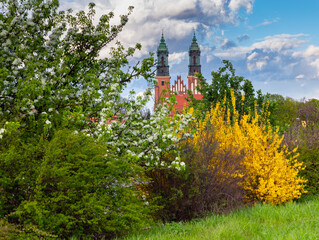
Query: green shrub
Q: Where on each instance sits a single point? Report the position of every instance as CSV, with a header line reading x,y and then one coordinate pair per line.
x,y
310,158
307,140
305,135
69,186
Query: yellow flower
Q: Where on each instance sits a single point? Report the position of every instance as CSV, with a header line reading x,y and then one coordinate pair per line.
x,y
272,171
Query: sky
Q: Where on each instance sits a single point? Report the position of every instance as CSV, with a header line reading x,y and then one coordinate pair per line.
x,y
273,43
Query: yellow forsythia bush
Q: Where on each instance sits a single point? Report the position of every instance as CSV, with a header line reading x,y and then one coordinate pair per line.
x,y
272,171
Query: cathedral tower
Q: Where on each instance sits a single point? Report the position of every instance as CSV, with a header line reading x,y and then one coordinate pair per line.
x,y
162,75
162,85
194,58
194,66
162,59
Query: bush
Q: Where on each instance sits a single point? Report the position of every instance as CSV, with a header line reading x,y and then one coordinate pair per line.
x,y
69,186
208,183
52,76
305,134
272,170
283,111
231,159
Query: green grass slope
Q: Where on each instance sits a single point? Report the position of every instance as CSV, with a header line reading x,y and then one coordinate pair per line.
x,y
294,220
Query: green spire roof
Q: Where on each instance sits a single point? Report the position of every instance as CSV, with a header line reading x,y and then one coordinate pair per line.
x,y
194,46
162,46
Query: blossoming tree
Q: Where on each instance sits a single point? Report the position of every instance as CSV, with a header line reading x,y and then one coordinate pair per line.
x,y
56,94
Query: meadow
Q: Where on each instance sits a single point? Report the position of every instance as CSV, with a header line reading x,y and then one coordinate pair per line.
x,y
293,220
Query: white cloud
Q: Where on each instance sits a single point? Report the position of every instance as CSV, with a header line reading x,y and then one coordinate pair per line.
x,y
315,64
260,64
213,7
243,37
168,8
310,57
176,58
268,22
311,52
176,18
235,5
224,11
280,42
235,53
277,58
208,52
227,44
257,61
276,43
252,56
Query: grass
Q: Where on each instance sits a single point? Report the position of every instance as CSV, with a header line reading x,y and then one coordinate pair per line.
x,y
294,220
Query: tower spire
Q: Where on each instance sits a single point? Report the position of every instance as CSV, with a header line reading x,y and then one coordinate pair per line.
x,y
162,58
194,57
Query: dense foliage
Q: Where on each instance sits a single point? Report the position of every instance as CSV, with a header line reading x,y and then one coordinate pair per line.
x,y
51,73
272,171
284,111
223,81
200,188
65,171
304,133
71,184
298,123
231,159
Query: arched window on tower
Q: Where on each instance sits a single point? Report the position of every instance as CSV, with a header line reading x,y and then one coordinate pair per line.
x,y
194,60
162,61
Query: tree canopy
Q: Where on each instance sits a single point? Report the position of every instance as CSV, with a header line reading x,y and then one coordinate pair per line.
x,y
63,170
50,64
223,82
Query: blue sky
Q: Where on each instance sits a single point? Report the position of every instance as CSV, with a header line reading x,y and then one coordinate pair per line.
x,y
273,43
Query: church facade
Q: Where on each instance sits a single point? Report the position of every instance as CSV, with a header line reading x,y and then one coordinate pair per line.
x,y
163,86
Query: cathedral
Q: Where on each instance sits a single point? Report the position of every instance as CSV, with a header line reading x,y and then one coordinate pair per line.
x,y
179,87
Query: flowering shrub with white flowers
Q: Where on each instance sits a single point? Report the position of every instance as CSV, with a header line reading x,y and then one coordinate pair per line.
x,y
63,170
51,70
145,140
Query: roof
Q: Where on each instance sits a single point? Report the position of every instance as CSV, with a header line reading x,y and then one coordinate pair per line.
x,y
162,46
194,46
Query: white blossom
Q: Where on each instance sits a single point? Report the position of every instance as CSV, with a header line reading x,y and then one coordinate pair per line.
x,y
3,33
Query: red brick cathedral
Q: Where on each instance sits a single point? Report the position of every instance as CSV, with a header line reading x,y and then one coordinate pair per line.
x,y
163,78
